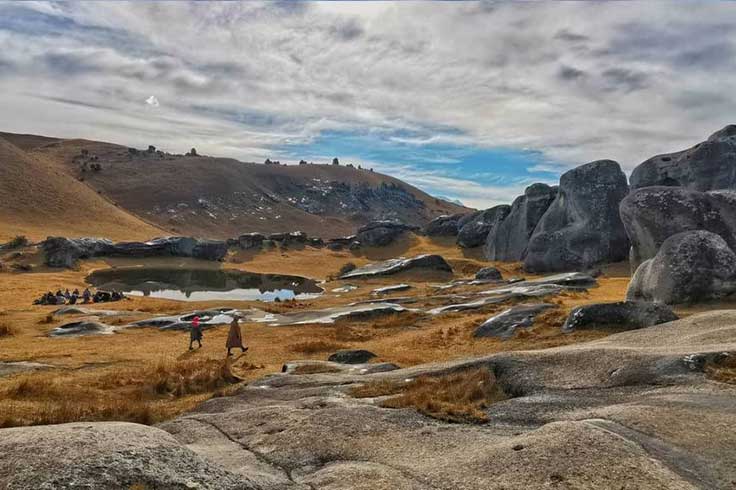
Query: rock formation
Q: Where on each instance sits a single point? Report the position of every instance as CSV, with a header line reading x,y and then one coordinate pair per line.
x,y
382,233
706,166
473,229
488,274
443,225
689,267
653,214
425,262
351,356
504,324
623,314
64,252
582,226
510,240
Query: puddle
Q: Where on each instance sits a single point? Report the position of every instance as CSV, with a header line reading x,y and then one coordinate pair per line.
x,y
203,284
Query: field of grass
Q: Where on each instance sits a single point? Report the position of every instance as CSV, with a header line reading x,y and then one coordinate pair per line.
x,y
148,375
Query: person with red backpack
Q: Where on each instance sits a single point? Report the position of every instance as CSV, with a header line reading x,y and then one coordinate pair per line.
x,y
195,333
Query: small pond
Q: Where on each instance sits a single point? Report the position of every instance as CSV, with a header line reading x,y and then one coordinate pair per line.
x,y
203,284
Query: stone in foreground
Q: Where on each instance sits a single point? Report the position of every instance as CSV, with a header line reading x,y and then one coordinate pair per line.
x,y
629,315
425,262
352,356
505,324
488,274
582,227
690,267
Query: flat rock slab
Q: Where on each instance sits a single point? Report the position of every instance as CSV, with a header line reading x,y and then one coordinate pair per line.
x,y
394,266
78,310
505,324
352,356
207,319
329,315
501,295
83,327
293,367
623,314
390,289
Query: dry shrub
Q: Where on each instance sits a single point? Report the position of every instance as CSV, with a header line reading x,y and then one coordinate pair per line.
x,y
316,346
351,334
397,320
314,369
457,397
133,395
47,319
724,371
6,330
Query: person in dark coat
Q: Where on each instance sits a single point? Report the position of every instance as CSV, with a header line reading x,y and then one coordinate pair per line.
x,y
195,333
235,337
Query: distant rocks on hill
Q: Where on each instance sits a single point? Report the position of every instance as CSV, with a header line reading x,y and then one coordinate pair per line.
x,y
509,241
473,229
653,214
582,226
689,267
382,233
706,166
443,225
65,252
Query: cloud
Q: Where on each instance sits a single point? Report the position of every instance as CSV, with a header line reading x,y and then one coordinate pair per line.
x,y
152,101
572,81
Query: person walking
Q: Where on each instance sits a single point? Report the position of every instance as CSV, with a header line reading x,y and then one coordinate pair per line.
x,y
195,333
235,337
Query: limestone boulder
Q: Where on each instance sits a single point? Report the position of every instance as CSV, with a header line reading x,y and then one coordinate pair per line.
x,y
473,230
582,226
690,267
628,315
443,225
382,233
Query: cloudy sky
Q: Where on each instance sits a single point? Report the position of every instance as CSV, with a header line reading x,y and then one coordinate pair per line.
x,y
472,101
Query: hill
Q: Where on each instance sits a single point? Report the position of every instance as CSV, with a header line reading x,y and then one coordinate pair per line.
x,y
222,197
38,197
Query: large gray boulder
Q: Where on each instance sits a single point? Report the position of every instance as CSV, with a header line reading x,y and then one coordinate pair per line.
x,y
443,225
653,214
382,233
473,230
706,166
510,239
628,315
64,252
690,267
249,241
505,324
109,455
425,262
582,226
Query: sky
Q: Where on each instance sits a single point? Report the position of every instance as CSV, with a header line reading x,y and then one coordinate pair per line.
x,y
466,100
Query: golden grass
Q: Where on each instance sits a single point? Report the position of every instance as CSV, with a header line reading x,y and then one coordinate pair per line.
x,y
316,347
457,397
134,395
724,372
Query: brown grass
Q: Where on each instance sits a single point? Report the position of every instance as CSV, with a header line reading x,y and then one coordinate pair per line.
x,y
398,320
457,397
316,347
134,395
314,369
724,371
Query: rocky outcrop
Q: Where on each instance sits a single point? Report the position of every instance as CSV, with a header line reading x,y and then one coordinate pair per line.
x,y
505,324
582,226
83,327
473,229
653,214
382,233
351,356
443,225
706,166
689,267
510,240
64,252
424,262
110,455
250,241
628,315
488,274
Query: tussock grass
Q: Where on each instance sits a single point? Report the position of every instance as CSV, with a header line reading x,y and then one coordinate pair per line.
x,y
141,395
397,320
724,372
316,346
457,397
6,330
